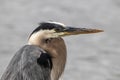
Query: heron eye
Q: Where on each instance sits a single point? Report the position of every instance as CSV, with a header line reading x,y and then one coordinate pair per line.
x,y
57,29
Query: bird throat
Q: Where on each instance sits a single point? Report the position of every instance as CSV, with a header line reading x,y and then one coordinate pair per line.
x,y
57,50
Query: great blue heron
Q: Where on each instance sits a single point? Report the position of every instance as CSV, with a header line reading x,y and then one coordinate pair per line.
x,y
44,57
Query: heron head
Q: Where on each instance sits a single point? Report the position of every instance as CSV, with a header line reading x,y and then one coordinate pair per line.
x,y
56,29
48,37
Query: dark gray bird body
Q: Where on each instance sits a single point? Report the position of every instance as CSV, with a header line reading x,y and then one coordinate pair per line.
x,y
29,63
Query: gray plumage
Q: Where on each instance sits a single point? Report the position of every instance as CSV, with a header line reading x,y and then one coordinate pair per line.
x,y
29,63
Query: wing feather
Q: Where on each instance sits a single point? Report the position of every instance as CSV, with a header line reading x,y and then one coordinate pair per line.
x,y
29,63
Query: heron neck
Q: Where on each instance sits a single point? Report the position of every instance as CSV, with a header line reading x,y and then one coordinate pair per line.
x,y
57,50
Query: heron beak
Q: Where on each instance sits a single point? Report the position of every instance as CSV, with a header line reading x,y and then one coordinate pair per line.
x,y
75,31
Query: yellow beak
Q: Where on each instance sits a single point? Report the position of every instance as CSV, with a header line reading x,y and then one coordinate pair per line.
x,y
75,31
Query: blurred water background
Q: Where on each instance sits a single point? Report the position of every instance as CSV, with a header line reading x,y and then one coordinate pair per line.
x,y
90,57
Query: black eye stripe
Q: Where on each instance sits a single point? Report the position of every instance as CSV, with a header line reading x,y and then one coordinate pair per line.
x,y
59,29
48,26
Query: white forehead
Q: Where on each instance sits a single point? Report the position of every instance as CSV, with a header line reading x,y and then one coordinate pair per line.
x,y
57,23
